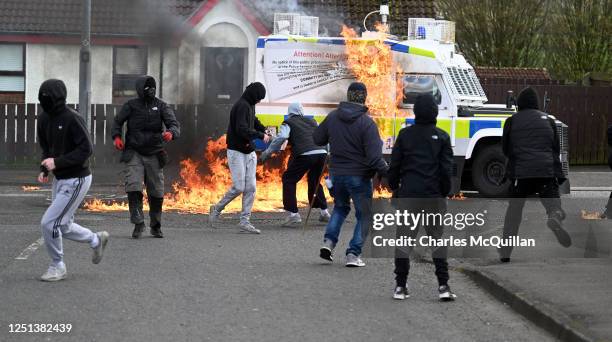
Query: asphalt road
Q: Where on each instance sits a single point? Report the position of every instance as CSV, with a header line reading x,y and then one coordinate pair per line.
x,y
204,284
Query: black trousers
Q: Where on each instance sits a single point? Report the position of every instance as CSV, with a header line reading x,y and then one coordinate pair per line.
x,y
311,166
548,191
402,261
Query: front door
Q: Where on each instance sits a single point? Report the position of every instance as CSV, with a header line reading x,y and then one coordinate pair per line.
x,y
223,74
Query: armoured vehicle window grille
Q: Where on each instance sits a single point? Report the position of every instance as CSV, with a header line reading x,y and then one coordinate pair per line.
x,y
465,82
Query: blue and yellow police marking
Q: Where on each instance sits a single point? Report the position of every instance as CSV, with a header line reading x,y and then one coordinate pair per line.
x,y
395,46
464,128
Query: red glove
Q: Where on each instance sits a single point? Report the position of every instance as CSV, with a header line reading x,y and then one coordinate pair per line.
x,y
167,136
119,143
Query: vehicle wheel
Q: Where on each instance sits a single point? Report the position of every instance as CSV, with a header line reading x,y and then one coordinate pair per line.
x,y
488,170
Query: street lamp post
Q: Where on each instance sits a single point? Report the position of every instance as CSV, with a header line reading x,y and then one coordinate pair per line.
x,y
85,66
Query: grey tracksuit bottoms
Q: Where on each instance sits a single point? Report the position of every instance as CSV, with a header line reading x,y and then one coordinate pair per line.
x,y
243,168
58,220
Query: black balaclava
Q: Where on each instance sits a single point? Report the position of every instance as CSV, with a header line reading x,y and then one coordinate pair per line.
x,y
146,87
425,110
52,96
254,93
528,99
357,93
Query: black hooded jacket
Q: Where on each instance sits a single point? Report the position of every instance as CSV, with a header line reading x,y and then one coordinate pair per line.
x,y
355,144
530,141
244,125
62,134
422,158
145,119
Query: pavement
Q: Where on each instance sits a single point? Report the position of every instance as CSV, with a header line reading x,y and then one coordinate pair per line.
x,y
201,283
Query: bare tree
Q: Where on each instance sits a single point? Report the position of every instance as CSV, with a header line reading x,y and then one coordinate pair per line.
x,y
498,33
579,39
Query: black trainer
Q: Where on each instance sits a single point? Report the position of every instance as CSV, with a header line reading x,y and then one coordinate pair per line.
x,y
138,229
156,232
555,224
445,293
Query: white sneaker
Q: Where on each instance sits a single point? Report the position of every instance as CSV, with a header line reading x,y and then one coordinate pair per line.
x,y
98,251
401,293
54,273
292,220
324,216
213,216
353,260
248,228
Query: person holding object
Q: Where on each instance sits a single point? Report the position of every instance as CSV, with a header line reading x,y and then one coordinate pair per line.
x,y
356,156
66,149
143,152
421,171
306,158
531,144
243,128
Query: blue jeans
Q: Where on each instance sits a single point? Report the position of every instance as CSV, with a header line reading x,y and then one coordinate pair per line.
x,y
359,189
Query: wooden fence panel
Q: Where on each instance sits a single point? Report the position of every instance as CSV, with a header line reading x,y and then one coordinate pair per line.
x,y
32,153
11,118
586,110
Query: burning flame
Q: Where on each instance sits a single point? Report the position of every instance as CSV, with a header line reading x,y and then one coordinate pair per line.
x,y
458,197
588,215
371,62
204,183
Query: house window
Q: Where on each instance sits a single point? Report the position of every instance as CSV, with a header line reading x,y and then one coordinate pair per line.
x,y
129,63
12,68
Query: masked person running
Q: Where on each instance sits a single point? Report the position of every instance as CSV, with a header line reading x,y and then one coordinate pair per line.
x,y
66,149
531,144
356,156
143,152
306,158
243,128
420,176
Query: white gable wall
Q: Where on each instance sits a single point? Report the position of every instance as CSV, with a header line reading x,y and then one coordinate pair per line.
x,y
44,61
223,26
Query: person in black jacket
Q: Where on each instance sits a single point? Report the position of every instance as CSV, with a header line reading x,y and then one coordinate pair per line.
x,y
66,149
243,128
531,144
143,152
356,156
307,158
420,172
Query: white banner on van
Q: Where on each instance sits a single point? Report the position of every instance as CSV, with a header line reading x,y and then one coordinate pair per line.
x,y
294,67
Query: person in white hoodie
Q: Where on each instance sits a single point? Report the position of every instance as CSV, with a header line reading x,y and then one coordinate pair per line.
x,y
307,158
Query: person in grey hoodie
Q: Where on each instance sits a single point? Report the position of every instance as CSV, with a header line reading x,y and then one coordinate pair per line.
x,y
356,156
306,158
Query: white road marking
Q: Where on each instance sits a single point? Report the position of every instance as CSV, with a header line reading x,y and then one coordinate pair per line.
x,y
24,195
25,254
591,188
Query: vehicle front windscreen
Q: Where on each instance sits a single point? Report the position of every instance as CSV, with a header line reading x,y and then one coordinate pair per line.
x,y
415,85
